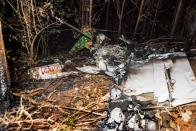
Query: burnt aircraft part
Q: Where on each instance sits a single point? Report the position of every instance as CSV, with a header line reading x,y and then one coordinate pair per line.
x,y
4,77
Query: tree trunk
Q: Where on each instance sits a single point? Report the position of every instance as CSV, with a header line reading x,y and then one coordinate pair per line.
x,y
176,18
139,16
4,76
107,14
121,17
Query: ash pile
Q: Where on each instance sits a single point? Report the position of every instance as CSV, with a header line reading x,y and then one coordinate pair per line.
x,y
148,86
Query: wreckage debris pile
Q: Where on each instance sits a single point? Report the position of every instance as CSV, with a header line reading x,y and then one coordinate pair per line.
x,y
87,93
128,112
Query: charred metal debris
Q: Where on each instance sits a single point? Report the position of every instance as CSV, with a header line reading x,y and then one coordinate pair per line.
x,y
135,111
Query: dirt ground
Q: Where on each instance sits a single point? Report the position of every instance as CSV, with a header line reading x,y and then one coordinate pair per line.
x,y
76,102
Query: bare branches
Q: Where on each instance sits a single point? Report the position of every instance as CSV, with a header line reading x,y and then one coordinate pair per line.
x,y
15,10
32,24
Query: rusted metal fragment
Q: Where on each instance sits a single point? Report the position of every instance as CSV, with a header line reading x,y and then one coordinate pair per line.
x,y
4,76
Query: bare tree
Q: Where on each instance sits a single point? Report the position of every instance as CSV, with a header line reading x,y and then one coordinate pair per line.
x,y
33,25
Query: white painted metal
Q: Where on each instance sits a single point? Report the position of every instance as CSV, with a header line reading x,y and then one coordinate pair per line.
x,y
151,78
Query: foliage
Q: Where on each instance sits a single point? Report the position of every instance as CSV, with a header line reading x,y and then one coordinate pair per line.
x,y
71,121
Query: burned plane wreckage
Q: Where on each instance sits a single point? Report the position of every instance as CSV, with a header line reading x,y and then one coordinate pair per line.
x,y
144,79
147,83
